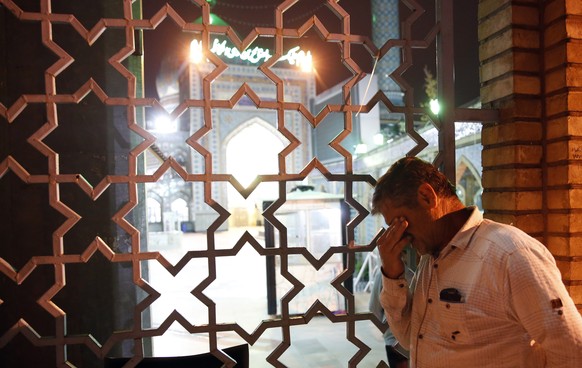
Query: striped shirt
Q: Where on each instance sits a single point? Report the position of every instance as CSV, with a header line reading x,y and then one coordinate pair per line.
x,y
492,298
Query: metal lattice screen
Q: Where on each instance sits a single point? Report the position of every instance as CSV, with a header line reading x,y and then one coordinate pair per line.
x,y
78,162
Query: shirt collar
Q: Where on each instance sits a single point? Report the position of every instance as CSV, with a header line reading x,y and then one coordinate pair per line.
x,y
463,237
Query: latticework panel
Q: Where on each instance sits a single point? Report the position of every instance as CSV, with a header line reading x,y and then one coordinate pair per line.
x,y
78,161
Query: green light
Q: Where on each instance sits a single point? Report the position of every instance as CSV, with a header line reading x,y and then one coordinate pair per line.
x,y
434,106
214,20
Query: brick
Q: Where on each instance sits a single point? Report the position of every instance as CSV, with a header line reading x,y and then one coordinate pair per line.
x,y
557,176
575,222
503,218
512,201
526,85
525,61
575,292
569,101
495,46
506,17
574,51
575,150
531,223
526,38
573,7
566,245
555,80
558,245
496,67
558,223
574,27
555,56
563,30
520,107
503,87
512,178
575,197
555,33
556,104
567,174
514,131
575,101
575,245
565,269
489,7
497,22
576,267
526,200
526,15
561,199
564,126
497,89
553,10
557,151
521,38
571,270
568,76
506,155
528,107
574,76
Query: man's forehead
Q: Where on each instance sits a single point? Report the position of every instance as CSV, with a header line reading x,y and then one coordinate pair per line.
x,y
389,204
392,208
388,208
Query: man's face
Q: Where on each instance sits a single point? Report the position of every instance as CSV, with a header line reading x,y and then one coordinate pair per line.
x,y
420,225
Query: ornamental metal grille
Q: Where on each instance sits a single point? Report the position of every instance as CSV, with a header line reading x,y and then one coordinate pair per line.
x,y
121,239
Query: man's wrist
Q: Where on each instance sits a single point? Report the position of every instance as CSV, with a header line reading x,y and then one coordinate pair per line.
x,y
389,277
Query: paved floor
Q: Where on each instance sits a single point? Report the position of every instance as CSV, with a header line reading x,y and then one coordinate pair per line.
x,y
239,292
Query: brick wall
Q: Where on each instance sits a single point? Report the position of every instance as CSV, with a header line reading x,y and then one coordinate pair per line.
x,y
531,56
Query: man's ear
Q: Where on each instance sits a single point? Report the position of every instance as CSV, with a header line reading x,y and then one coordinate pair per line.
x,y
427,197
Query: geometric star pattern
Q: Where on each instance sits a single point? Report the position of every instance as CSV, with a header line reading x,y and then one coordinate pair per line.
x,y
62,256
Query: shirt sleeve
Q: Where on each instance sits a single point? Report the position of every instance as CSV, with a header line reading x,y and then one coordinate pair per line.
x,y
374,303
394,299
541,303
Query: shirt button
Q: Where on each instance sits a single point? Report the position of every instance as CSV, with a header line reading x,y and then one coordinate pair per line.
x,y
448,306
435,265
420,336
429,300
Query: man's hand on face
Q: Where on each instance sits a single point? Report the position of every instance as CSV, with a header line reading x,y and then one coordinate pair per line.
x,y
390,246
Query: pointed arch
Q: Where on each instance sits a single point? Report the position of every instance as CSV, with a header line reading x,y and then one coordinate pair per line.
x,y
468,182
249,150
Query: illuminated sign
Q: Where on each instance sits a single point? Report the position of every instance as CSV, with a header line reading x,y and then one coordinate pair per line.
x,y
256,55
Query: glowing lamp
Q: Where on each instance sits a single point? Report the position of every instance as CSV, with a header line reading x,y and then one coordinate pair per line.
x,y
434,106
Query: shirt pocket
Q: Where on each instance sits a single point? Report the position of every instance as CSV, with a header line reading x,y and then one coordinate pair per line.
x,y
454,326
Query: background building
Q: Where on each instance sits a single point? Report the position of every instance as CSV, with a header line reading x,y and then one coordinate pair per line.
x,y
229,129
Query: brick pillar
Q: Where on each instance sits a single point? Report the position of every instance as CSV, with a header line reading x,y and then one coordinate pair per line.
x,y
531,57
562,45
